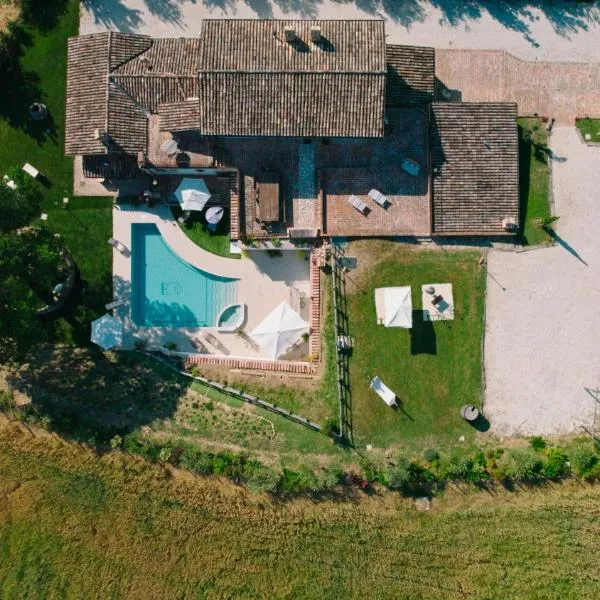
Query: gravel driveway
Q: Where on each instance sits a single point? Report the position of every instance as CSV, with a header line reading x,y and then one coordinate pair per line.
x,y
565,30
543,328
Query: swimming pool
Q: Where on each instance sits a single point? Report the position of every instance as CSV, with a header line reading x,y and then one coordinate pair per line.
x,y
166,291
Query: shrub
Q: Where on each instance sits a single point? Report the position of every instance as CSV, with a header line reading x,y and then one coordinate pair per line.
x,y
456,467
331,427
289,482
398,475
329,478
523,465
431,455
583,460
7,401
165,453
261,479
116,441
371,471
555,465
537,442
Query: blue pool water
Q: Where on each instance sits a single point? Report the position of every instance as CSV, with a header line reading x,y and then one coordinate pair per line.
x,y
167,291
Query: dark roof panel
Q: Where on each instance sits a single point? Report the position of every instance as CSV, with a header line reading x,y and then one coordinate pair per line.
x,y
475,167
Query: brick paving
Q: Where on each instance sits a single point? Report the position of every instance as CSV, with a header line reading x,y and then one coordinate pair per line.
x,y
281,366
559,90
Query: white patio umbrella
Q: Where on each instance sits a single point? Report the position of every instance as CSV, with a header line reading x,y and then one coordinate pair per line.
x,y
279,330
192,194
394,306
107,332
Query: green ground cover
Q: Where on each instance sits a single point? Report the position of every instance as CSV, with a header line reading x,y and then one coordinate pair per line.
x,y
590,127
434,371
86,225
76,524
216,242
534,179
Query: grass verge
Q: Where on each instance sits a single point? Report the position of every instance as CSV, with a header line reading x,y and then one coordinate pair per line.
x,y
534,180
589,127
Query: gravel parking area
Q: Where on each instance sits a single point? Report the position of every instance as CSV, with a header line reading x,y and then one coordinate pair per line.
x,y
543,317
563,30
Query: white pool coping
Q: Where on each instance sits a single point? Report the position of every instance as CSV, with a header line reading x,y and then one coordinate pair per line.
x,y
264,282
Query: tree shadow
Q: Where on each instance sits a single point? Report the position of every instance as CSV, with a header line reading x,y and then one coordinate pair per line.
x,y
422,335
43,14
25,88
165,10
112,14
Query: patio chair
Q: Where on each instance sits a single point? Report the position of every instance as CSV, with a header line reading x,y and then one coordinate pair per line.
x,y
383,391
9,182
31,171
358,204
114,304
119,246
379,198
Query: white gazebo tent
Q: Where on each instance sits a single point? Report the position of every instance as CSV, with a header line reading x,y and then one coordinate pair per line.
x,y
192,194
394,306
279,330
107,332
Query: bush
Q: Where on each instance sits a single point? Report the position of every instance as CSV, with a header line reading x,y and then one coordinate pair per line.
x,y
431,455
398,475
583,460
555,465
261,479
523,465
18,207
7,401
537,442
331,427
289,482
116,442
456,467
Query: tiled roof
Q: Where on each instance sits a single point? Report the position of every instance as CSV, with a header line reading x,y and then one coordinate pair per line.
x,y
475,167
410,75
87,68
179,116
304,104
259,45
115,79
253,82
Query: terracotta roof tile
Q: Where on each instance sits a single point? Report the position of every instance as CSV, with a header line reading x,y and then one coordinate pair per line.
x,y
410,75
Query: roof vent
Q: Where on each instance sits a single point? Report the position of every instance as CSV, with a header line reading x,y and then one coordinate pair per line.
x,y
510,224
315,34
290,33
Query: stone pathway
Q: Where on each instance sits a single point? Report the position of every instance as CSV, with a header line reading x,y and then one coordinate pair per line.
x,y
559,90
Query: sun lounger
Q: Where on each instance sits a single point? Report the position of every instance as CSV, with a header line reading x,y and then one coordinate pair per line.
x,y
358,204
31,170
383,391
9,182
379,198
119,246
114,304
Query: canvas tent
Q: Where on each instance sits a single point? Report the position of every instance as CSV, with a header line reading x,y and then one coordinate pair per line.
x,y
394,306
279,331
192,193
107,332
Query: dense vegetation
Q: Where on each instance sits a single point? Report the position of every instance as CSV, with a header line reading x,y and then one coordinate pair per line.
x,y
76,524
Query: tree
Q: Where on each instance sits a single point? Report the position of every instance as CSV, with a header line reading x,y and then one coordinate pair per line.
x,y
18,206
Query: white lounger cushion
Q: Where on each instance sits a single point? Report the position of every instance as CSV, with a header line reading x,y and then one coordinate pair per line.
x,y
383,391
31,170
379,197
358,204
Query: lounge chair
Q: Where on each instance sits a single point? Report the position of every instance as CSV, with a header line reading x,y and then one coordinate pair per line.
x,y
379,198
31,170
114,304
358,204
383,391
119,246
9,182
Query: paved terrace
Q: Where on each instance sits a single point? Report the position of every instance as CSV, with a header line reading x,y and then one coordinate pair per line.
x,y
560,90
264,282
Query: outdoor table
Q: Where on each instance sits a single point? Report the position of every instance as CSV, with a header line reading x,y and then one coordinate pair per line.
x,y
214,215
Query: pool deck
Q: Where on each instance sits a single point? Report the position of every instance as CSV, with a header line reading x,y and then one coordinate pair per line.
x,y
264,282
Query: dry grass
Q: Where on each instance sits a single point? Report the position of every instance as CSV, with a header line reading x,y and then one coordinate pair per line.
x,y
9,13
76,525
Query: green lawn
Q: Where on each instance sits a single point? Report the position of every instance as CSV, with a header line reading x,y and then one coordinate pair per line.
x,y
591,127
534,179
87,224
216,242
76,524
433,372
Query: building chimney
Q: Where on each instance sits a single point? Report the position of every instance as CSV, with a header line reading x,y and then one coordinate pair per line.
x,y
100,135
510,225
290,33
315,34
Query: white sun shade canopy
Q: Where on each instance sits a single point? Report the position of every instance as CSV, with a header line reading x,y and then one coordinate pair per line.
x,y
394,306
192,194
107,332
279,331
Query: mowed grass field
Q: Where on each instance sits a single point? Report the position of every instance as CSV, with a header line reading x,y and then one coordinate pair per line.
x,y
433,371
77,525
